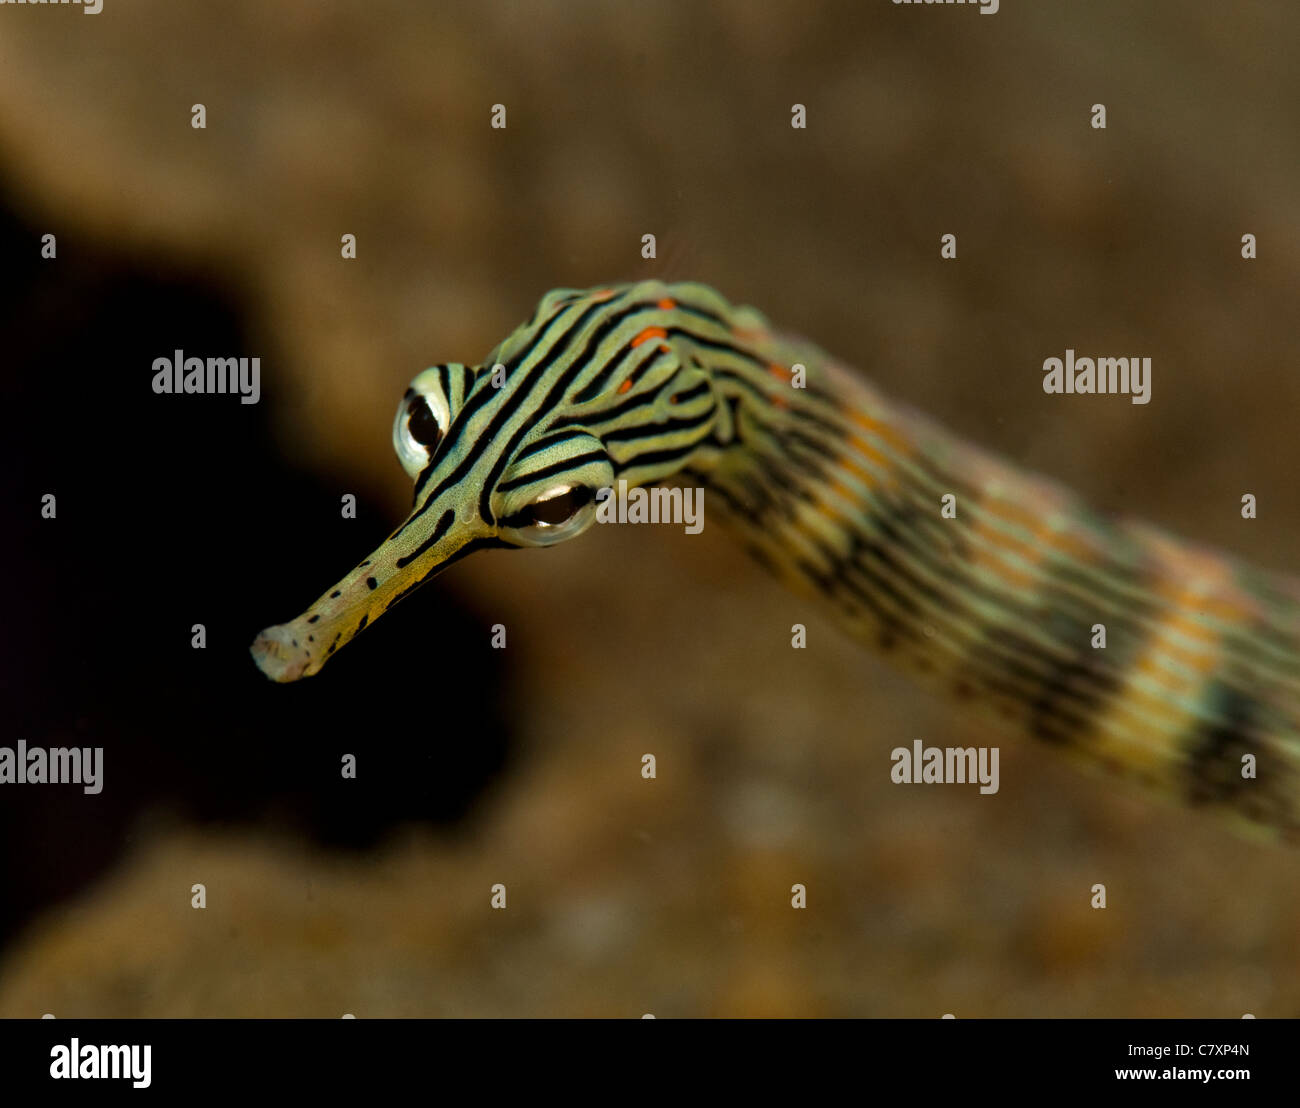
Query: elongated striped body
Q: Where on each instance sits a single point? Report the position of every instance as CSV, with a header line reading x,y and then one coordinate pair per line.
x,y
842,493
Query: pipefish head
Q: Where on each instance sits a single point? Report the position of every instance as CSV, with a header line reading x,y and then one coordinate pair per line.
x,y
514,452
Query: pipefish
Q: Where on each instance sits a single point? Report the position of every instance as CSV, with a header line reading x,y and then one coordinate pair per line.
x,y
986,581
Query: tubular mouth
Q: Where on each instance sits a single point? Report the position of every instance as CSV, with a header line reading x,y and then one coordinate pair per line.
x,y
299,648
279,655
411,555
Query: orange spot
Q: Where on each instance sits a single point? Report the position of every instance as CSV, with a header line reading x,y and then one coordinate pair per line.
x,y
1005,508
888,478
603,294
994,554
780,402
868,451
1043,502
667,304
626,386
857,471
865,422
672,400
664,348
1202,664
1063,542
1222,610
884,431
648,334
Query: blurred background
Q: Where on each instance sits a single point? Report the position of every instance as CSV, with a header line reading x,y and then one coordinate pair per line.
x,y
522,766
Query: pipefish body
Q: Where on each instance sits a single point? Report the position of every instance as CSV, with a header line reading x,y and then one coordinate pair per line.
x,y
841,492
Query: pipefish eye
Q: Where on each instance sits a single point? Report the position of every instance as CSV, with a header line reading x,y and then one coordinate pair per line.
x,y
421,421
556,515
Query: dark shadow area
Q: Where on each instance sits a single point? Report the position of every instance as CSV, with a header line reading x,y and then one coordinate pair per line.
x,y
177,510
